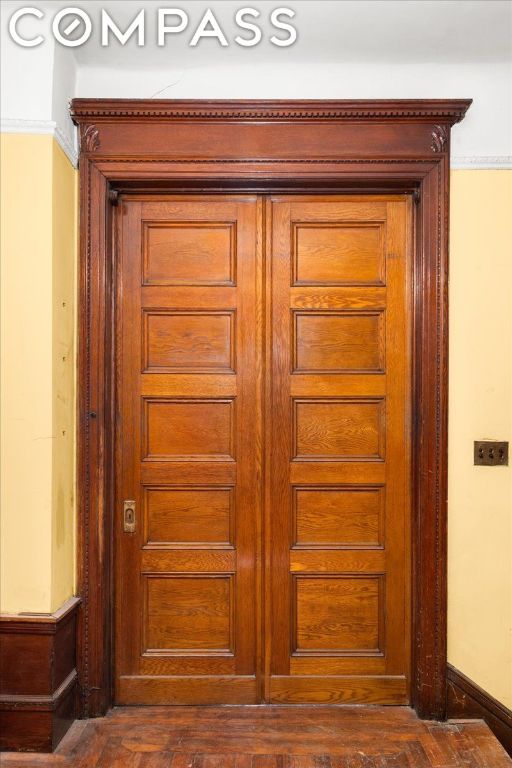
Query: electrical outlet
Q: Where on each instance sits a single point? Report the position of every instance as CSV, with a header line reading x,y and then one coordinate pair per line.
x,y
489,453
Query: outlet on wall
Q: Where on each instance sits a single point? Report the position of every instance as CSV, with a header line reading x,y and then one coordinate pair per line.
x,y
490,453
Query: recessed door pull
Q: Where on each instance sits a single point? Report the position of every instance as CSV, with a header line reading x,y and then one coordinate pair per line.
x,y
129,516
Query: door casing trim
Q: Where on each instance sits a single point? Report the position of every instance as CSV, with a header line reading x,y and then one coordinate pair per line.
x,y
331,147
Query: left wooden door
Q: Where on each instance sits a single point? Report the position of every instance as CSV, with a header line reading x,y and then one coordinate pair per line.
x,y
187,450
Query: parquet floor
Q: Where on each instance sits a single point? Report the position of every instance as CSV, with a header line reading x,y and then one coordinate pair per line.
x,y
270,737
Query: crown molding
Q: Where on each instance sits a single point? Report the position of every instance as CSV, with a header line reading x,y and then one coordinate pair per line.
x,y
42,128
448,111
481,162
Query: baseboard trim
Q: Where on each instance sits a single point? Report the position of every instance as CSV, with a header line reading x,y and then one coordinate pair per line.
x,y
466,700
42,703
38,678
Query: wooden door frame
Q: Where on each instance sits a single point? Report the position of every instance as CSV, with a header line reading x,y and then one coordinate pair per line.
x,y
264,147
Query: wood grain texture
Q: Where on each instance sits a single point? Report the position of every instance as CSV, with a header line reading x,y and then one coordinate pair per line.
x,y
186,598
311,147
337,615
188,614
338,342
38,678
339,429
189,253
188,516
342,596
338,254
270,737
350,516
188,429
345,598
190,342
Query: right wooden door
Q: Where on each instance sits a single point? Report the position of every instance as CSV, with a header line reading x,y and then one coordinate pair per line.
x,y
339,444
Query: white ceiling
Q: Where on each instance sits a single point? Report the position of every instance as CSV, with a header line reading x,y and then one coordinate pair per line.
x,y
434,31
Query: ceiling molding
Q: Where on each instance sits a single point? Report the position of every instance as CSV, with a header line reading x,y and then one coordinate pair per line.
x,y
481,162
42,128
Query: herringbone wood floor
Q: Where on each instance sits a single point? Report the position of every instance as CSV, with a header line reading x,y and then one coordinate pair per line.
x,y
270,737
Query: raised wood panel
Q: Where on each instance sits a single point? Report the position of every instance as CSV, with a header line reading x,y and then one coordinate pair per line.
x,y
339,429
188,614
338,254
337,614
338,342
189,253
196,429
189,516
189,342
338,517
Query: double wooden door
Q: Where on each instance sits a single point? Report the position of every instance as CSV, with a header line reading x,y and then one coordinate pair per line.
x,y
263,390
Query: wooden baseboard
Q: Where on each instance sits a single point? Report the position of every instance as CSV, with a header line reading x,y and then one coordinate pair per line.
x,y
38,678
466,700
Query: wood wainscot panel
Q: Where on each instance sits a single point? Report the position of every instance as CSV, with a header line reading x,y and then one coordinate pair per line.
x,y
38,678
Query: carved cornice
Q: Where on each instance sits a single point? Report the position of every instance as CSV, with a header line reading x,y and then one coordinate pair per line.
x,y
438,111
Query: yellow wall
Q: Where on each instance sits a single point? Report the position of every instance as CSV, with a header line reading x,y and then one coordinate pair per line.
x,y
480,498
65,211
38,227
38,376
